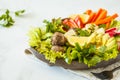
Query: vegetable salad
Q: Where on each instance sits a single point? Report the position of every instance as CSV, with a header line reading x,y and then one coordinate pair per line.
x,y
89,38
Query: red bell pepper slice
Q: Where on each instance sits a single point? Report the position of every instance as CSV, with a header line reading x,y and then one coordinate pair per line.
x,y
111,30
78,21
69,22
65,21
73,22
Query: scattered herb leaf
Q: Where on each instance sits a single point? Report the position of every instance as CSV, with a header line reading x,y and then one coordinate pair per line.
x,y
19,12
54,25
81,32
6,20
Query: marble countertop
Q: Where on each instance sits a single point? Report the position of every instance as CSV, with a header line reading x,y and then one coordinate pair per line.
x,y
14,63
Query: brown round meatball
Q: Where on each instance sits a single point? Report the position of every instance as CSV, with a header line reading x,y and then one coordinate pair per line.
x,y
58,39
118,43
57,48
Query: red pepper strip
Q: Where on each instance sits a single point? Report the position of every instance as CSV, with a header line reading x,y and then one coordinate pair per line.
x,y
117,33
78,22
65,21
112,33
111,29
88,11
72,22
69,24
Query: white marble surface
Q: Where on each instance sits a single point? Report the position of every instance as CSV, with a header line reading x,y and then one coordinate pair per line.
x,y
14,64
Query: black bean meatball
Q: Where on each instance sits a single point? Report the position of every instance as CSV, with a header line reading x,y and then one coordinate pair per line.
x,y
57,48
58,39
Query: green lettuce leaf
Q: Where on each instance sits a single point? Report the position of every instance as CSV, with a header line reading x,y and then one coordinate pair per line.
x,y
115,23
52,56
54,26
93,61
35,35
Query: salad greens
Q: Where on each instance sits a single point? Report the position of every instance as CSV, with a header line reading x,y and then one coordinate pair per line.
x,y
82,32
115,23
42,43
35,37
101,47
54,26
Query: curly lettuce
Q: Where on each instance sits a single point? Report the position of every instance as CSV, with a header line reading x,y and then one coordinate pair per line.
x,y
49,54
35,35
41,42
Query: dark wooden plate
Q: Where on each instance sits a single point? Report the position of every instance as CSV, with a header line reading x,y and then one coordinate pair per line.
x,y
74,65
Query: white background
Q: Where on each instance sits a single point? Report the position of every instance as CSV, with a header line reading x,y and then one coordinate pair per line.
x,y
14,64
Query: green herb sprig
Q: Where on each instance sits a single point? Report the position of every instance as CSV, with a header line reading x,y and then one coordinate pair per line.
x,y
6,19
19,12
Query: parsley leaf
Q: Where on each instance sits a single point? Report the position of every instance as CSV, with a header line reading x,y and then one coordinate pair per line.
x,y
81,32
6,20
102,25
19,12
54,26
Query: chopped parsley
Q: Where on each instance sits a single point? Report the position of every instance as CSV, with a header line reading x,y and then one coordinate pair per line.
x,y
19,12
6,19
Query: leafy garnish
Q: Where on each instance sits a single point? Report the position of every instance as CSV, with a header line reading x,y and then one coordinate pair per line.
x,y
6,20
102,25
93,61
54,26
115,23
82,32
52,56
19,12
35,36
